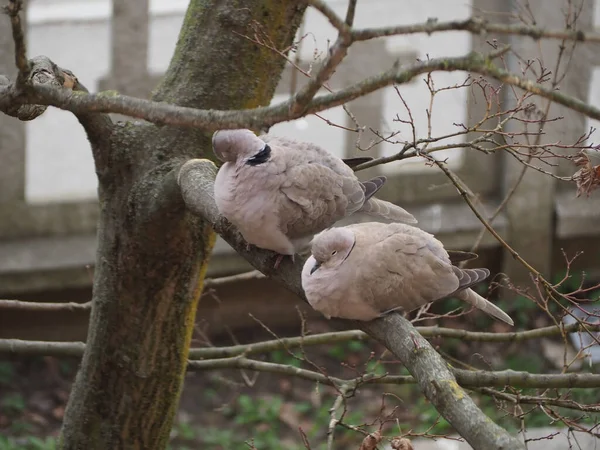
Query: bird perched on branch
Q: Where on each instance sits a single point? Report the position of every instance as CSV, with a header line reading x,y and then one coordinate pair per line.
x,y
280,192
366,270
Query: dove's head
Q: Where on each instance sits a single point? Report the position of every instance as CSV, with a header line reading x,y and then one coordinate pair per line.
x,y
239,145
331,248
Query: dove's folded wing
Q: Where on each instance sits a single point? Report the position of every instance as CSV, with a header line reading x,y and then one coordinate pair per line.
x,y
406,273
317,197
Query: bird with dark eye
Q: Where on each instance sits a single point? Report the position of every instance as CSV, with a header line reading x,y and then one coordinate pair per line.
x,y
261,157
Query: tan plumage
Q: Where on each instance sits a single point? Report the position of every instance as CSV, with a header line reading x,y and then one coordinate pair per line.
x,y
363,271
279,192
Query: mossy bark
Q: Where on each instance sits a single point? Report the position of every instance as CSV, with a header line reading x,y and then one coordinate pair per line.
x,y
152,253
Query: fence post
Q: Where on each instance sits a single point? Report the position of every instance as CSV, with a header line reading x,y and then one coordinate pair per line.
x,y
129,45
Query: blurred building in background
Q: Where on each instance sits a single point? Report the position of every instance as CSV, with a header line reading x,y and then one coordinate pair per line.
x,y
48,207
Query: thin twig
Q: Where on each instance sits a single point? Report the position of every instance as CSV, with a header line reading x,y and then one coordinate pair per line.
x,y
13,9
476,25
43,307
246,276
536,400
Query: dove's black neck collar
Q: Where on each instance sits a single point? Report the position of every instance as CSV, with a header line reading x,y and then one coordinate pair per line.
x,y
349,251
261,157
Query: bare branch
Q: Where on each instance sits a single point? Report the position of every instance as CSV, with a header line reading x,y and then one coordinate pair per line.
x,y
261,366
221,281
466,378
350,13
504,378
337,22
44,74
476,25
335,56
43,307
17,346
277,344
294,342
210,120
539,400
517,336
310,340
12,10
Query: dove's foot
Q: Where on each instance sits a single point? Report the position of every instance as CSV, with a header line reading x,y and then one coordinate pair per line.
x,y
279,259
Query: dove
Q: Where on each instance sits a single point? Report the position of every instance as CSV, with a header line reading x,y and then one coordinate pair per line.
x,y
366,270
280,192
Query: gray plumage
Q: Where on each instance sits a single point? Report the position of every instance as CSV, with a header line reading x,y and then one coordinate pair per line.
x,y
280,192
365,270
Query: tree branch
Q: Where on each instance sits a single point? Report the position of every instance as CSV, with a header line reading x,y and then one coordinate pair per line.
x,y
482,378
538,400
293,342
43,307
465,378
396,333
238,360
335,56
12,10
476,25
37,348
257,118
44,74
315,339
221,281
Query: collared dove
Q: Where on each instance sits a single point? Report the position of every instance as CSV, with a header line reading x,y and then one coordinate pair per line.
x,y
280,192
365,270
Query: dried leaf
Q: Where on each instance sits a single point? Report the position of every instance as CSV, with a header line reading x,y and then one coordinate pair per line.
x,y
371,441
401,444
588,177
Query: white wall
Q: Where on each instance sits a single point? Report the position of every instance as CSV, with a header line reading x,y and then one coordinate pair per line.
x,y
75,34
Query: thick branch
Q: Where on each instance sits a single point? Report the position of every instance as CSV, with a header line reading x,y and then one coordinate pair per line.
x,y
438,383
396,333
44,74
162,113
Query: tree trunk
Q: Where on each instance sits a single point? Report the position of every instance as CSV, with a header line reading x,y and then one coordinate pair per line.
x,y
152,254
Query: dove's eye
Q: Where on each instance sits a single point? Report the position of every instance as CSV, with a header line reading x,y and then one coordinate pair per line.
x,y
333,253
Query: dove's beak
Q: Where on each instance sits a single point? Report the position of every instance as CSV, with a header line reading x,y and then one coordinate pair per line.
x,y
315,267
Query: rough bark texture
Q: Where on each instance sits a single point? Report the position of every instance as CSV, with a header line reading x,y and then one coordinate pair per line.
x,y
152,253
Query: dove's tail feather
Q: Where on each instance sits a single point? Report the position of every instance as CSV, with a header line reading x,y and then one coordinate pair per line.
x,y
457,256
469,277
372,186
471,297
386,210
354,162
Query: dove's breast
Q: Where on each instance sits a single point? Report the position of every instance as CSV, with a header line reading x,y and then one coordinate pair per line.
x,y
336,293
249,201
